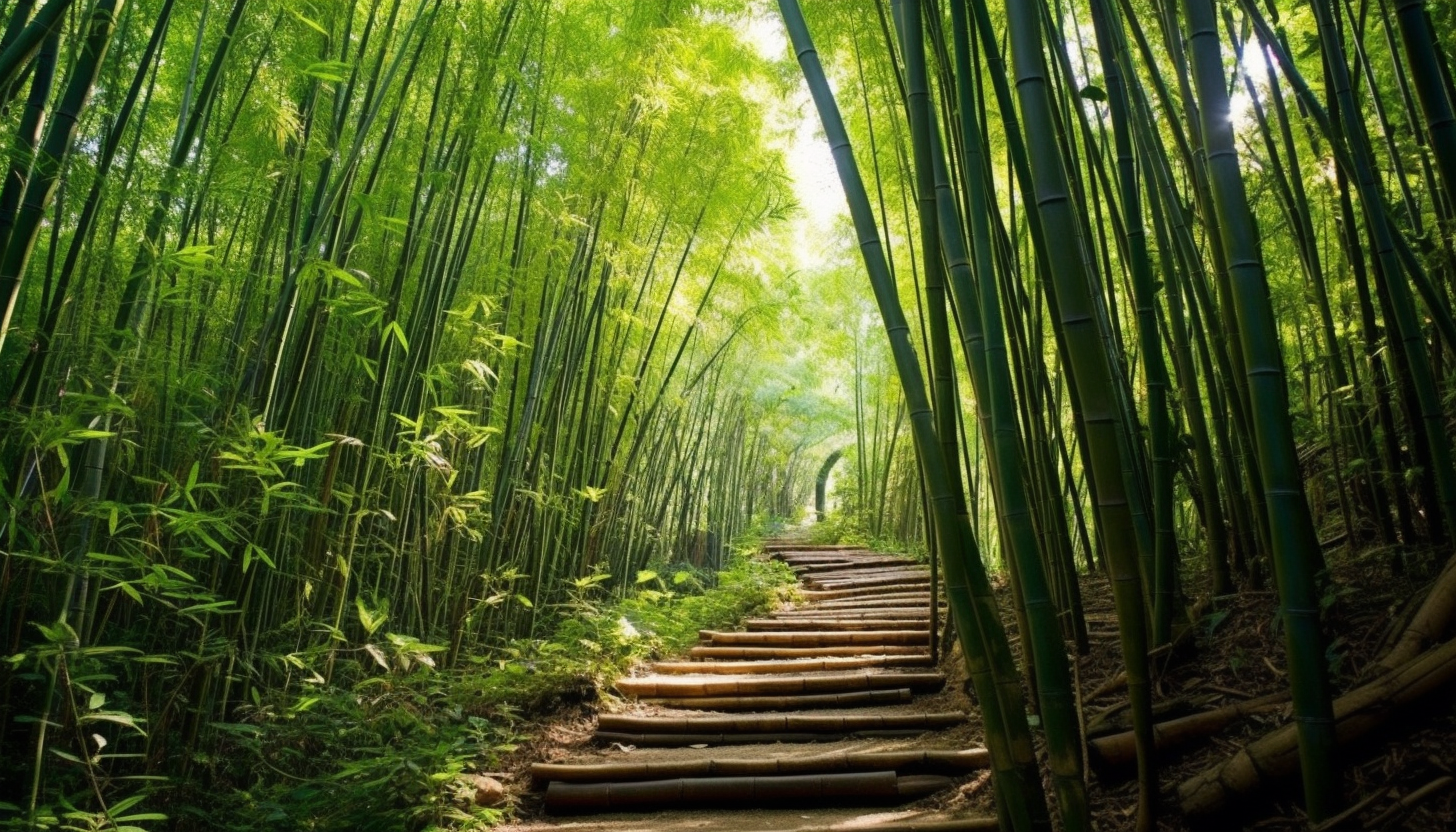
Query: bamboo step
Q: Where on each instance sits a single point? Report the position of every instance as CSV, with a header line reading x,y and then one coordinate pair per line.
x,y
791,652
867,788
862,563
849,699
900,762
770,723
790,685
865,591
891,613
834,624
812,638
792,665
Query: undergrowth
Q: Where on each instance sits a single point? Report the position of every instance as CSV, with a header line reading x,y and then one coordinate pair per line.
x,y
389,743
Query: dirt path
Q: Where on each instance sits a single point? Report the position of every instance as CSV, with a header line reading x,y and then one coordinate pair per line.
x,y
827,714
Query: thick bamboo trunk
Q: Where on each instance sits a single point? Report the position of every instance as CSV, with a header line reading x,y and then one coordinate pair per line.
x,y
1357,713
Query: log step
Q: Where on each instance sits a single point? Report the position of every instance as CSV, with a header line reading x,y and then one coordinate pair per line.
x,y
888,612
844,563
815,638
791,652
836,624
794,684
792,665
691,740
922,588
850,699
867,788
900,762
771,723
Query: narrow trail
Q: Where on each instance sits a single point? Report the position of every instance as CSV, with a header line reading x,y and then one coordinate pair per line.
x,y
827,714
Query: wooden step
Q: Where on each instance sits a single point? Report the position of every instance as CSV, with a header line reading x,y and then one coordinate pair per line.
x,y
848,699
792,665
770,723
818,638
832,624
836,762
865,591
789,685
788,652
862,788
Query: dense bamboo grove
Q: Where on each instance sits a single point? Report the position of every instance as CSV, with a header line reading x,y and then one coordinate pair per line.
x,y
346,337
1198,259
383,323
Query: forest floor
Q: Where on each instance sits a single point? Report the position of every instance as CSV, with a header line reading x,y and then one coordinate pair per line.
x,y
1235,653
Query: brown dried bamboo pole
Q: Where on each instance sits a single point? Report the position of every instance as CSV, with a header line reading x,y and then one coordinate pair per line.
x,y
901,762
1118,750
689,740
830,624
806,652
769,723
812,639
657,686
864,592
792,665
854,699
1357,713
840,789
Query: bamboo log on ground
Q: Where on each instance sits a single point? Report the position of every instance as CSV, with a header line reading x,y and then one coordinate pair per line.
x,y
841,789
793,652
771,723
1276,754
1430,623
810,665
900,762
718,638
1115,752
851,699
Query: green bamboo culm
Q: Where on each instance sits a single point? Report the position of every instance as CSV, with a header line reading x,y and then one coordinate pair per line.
x,y
1294,544
1091,376
980,322
1021,804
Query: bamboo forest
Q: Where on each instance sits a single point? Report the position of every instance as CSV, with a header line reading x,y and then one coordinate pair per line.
x,y
626,415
